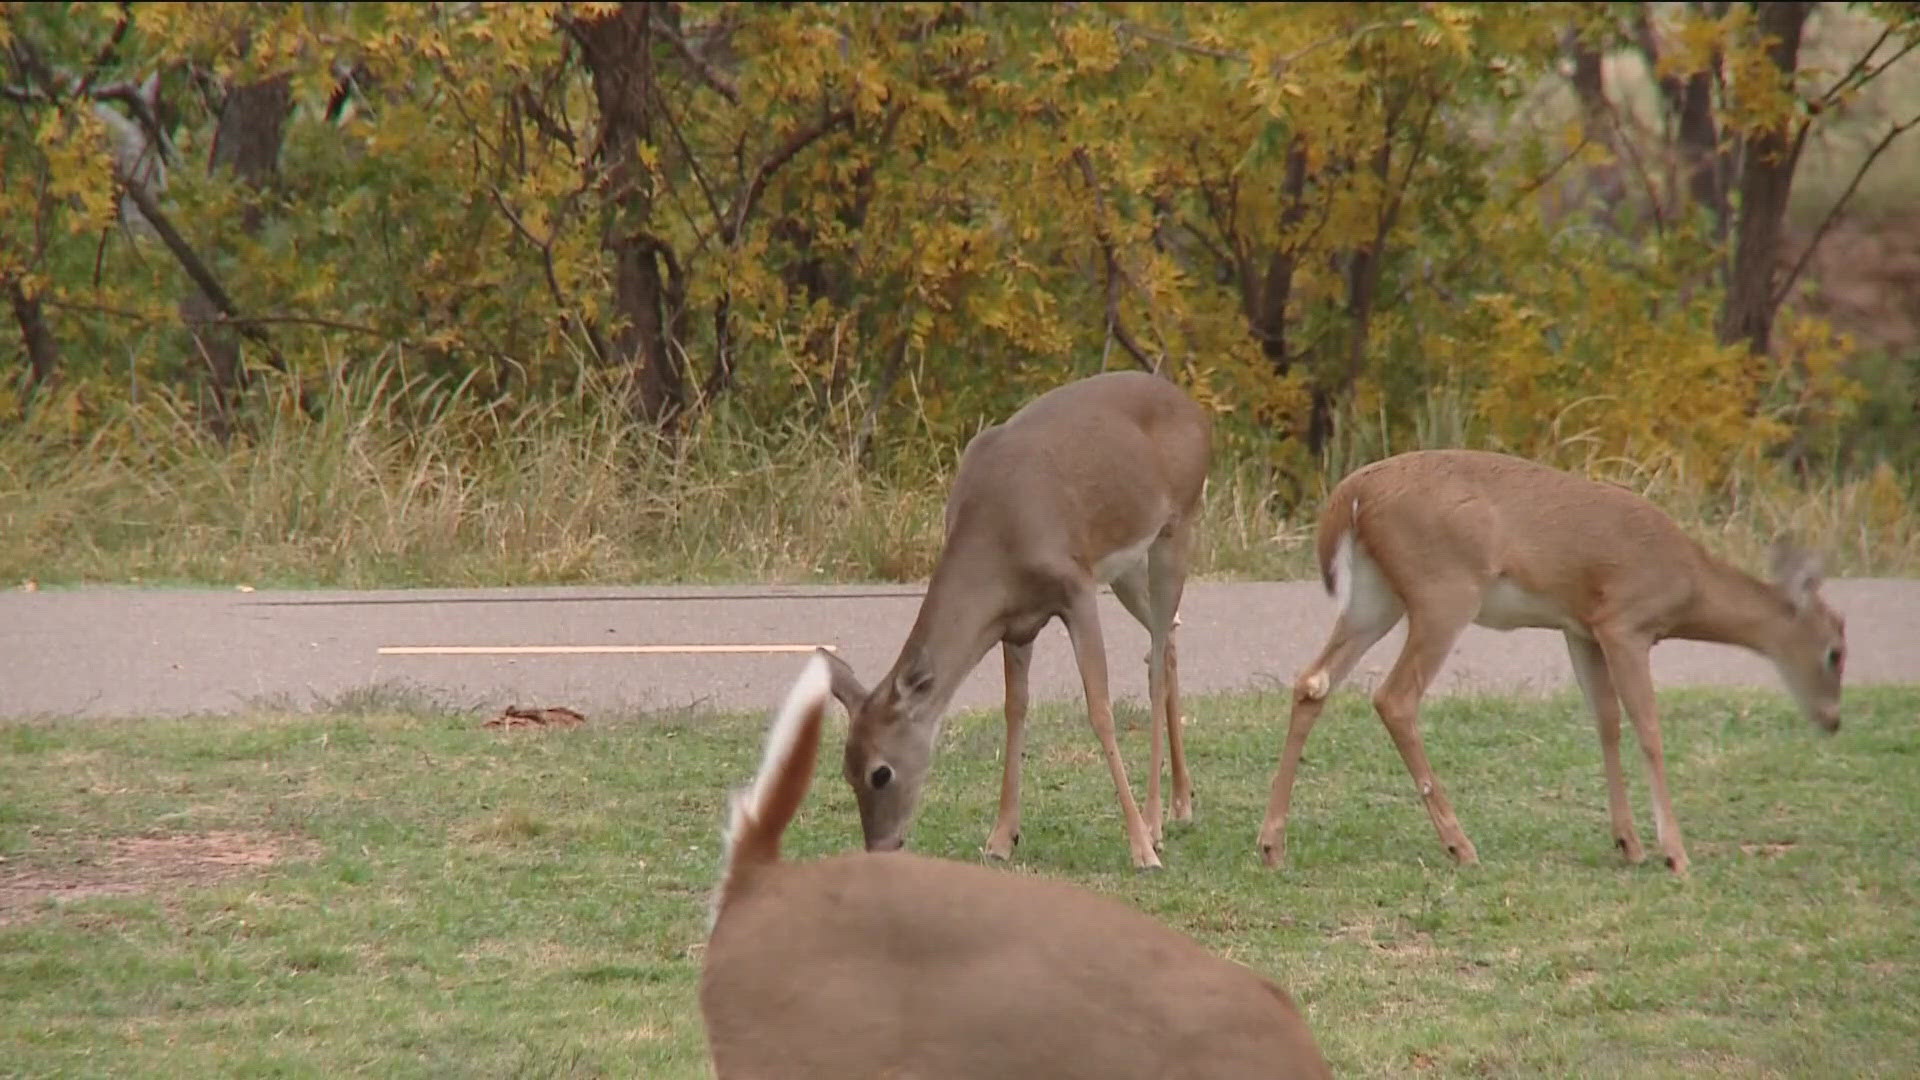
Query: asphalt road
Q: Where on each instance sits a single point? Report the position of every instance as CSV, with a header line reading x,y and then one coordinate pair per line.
x,y
147,652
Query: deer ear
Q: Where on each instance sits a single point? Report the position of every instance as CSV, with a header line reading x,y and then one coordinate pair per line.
x,y
1796,572
846,685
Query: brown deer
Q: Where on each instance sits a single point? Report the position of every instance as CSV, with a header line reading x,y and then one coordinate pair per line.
x,y
1451,537
894,965
1093,483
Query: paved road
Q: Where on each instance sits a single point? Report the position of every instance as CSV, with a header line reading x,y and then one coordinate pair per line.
x,y
107,652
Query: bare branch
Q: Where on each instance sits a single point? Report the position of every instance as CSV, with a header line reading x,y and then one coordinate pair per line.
x,y
1116,329
715,79
106,52
1863,70
785,152
1833,212
195,268
693,164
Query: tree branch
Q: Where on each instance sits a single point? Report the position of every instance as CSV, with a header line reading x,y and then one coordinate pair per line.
x,y
195,268
715,79
1833,212
782,154
1116,329
1862,71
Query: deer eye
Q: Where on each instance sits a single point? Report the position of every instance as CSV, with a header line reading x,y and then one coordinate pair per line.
x,y
880,777
1834,659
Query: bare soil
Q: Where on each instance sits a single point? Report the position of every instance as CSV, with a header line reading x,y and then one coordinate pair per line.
x,y
131,865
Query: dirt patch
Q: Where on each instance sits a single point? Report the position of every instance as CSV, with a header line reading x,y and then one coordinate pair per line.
x,y
517,717
137,864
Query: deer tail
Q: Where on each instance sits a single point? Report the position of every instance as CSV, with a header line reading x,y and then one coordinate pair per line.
x,y
760,812
1336,533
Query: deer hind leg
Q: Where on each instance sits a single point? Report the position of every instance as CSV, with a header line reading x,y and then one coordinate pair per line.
x,y
1166,583
1627,662
1434,622
1089,652
1134,594
1006,823
1371,611
1590,670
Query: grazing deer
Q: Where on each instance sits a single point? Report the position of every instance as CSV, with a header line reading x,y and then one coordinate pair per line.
x,y
1095,482
895,965
1449,537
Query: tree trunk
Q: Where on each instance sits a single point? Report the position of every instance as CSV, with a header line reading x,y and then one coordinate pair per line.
x,y
647,290
43,352
1694,134
1269,308
246,143
1766,183
1603,187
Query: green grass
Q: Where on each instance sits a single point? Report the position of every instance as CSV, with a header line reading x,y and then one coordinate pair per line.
x,y
459,901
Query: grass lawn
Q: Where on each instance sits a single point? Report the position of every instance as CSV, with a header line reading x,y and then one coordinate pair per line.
x,y
386,888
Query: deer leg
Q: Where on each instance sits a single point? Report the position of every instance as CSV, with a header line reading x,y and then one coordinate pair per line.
x,y
1357,629
1590,670
1627,662
1166,583
1431,631
1006,823
1131,589
1090,653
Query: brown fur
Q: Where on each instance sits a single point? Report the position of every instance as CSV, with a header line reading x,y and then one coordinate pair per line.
x,y
1462,536
870,965
1079,474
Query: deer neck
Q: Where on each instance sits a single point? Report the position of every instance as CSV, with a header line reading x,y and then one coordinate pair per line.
x,y
959,621
1730,606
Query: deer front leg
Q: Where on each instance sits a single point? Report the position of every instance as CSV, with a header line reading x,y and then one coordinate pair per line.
x,y
1006,824
1627,661
1590,670
1090,652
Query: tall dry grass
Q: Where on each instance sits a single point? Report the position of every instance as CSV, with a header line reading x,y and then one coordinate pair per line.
x,y
402,482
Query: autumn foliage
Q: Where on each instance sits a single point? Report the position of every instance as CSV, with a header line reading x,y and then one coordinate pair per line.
x,y
1346,228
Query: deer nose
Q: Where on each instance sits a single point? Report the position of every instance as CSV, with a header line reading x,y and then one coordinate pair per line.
x,y
892,843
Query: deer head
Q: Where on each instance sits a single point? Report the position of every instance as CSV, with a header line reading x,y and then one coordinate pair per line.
x,y
1812,653
890,735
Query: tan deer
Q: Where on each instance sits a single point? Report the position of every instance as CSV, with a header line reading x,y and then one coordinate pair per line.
x,y
1093,483
1451,537
895,965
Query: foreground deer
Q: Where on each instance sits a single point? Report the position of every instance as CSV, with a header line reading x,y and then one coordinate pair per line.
x,y
894,965
1449,537
1095,482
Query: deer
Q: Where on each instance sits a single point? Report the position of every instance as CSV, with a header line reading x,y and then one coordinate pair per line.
x,y
1096,482
1451,537
895,964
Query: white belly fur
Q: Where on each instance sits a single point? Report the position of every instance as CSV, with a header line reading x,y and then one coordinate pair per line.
x,y
1362,593
1119,562
1506,606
